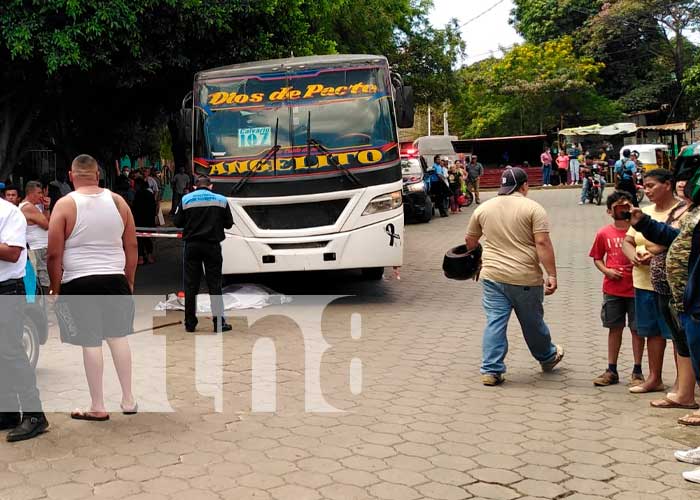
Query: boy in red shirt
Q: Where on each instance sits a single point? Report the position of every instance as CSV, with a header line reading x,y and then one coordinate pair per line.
x,y
618,292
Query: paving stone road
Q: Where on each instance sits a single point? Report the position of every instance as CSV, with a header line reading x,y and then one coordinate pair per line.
x,y
422,426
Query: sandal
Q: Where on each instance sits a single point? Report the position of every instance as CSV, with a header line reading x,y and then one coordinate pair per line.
x,y
640,389
692,420
89,416
669,403
131,411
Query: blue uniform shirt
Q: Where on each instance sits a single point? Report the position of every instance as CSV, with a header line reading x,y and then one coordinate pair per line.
x,y
626,170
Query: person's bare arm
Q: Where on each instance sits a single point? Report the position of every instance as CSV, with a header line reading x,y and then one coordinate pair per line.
x,y
57,241
34,216
613,274
128,240
630,250
471,241
10,253
545,254
654,248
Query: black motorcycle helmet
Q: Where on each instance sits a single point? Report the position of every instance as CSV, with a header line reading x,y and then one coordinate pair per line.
x,y
687,168
461,264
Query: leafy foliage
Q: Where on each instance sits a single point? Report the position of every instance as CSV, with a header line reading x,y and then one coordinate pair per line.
x,y
531,90
644,49
691,84
538,21
103,76
641,43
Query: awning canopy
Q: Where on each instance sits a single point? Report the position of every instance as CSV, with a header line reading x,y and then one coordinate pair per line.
x,y
668,127
597,129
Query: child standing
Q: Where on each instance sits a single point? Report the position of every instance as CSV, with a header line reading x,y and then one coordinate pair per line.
x,y
618,292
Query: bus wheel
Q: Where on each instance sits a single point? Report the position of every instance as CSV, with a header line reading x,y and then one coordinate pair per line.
x,y
373,273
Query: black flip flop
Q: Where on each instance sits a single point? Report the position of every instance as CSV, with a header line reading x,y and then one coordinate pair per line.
x,y
85,415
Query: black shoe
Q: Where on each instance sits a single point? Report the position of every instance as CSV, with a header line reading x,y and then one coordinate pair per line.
x,y
9,421
32,425
224,327
190,328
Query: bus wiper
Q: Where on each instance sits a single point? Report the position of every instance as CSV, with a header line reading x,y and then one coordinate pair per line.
x,y
311,161
271,153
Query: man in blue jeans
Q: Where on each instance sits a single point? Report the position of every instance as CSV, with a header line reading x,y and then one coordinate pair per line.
x,y
516,242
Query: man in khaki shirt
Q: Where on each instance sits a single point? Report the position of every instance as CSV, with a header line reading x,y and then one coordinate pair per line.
x,y
516,242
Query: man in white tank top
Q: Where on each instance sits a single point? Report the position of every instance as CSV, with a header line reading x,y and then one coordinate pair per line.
x,y
92,264
35,209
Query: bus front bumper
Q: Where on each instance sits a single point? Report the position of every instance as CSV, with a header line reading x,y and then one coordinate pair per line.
x,y
376,245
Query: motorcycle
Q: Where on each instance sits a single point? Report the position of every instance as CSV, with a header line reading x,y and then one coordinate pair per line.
x,y
639,185
595,186
466,198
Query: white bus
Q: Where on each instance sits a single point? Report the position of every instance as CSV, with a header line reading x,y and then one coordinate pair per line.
x,y
306,151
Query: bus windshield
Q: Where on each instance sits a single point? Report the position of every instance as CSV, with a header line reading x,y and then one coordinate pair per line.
x,y
347,111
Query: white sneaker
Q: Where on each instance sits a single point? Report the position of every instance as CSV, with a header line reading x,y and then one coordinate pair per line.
x,y
580,203
688,456
693,476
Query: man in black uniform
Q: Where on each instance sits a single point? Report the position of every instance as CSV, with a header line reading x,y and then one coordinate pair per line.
x,y
20,406
203,215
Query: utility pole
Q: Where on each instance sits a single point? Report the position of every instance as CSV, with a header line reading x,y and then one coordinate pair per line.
x,y
445,128
429,128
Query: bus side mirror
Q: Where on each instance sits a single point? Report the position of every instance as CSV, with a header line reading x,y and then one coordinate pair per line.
x,y
404,107
186,126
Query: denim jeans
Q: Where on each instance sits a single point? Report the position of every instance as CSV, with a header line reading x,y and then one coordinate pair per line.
x,y
499,299
692,333
546,174
574,166
587,185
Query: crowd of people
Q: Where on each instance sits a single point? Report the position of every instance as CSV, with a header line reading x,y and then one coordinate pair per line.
x,y
448,182
141,188
84,248
650,261
83,244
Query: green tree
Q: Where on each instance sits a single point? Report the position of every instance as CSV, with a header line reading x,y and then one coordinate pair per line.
x,y
691,84
644,48
400,29
531,90
84,75
538,21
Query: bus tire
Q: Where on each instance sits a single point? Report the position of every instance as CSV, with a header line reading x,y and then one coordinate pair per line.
x,y
373,273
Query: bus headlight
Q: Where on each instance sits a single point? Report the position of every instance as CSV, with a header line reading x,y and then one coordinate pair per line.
x,y
383,203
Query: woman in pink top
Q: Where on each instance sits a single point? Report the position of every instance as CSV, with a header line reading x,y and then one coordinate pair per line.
x,y
562,166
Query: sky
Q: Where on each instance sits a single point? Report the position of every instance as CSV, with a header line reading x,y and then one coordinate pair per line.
x,y
491,30
484,35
